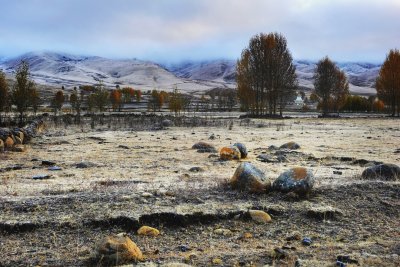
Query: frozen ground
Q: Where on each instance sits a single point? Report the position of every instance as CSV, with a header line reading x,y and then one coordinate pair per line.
x,y
143,177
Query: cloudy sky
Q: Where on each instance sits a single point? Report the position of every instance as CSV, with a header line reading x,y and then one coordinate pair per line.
x,y
175,30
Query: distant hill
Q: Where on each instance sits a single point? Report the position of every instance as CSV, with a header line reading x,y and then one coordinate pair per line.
x,y
60,69
361,76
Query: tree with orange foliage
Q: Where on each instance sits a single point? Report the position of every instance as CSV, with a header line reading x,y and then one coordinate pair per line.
x,y
266,74
388,81
115,98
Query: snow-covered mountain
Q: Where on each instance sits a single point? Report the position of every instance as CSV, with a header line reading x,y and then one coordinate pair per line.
x,y
361,76
59,69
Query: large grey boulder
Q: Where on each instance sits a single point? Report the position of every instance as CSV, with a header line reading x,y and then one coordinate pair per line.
x,y
298,180
242,148
249,178
389,172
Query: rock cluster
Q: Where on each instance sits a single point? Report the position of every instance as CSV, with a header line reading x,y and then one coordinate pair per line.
x,y
236,151
16,138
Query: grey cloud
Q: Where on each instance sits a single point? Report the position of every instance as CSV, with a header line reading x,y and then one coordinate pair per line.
x,y
182,29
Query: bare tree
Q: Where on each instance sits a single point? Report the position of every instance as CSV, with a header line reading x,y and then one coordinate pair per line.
x,y
4,94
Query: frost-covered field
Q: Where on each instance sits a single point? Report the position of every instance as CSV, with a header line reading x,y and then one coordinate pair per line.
x,y
143,177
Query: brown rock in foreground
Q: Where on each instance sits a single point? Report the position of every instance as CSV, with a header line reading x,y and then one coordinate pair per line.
x,y
248,178
388,172
260,216
118,249
148,231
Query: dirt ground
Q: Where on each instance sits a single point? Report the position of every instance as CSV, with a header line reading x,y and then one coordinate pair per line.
x,y
136,178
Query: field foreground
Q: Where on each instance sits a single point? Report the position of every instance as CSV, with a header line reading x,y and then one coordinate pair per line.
x,y
135,178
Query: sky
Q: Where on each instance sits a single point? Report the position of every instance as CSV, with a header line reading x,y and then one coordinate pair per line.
x,y
181,30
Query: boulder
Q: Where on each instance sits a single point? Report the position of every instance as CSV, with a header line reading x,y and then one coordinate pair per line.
x,y
388,172
260,216
290,145
229,153
166,123
118,249
9,143
203,147
298,180
18,140
21,136
19,148
248,178
242,148
148,231
1,145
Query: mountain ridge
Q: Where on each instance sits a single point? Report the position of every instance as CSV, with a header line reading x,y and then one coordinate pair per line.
x,y
62,69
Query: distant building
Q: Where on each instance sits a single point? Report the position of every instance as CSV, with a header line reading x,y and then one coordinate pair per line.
x,y
299,101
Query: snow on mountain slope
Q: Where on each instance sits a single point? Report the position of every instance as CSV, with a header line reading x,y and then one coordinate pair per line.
x,y
61,69
69,70
361,76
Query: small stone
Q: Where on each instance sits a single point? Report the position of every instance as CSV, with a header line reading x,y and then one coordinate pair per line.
x,y
48,163
8,143
242,148
222,231
306,241
19,148
290,145
337,172
248,178
184,248
196,169
148,231
167,123
18,141
42,177
212,137
388,172
118,249
217,261
54,168
298,180
84,165
123,146
229,153
147,194
260,216
247,235
203,147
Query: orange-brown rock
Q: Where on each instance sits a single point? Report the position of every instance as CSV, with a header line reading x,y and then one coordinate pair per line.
x,y
148,231
229,153
118,249
260,216
9,143
248,178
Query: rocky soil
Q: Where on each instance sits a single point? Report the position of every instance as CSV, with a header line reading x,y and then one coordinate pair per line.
x,y
75,186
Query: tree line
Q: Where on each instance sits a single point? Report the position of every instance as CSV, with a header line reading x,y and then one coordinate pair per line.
x,y
266,81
